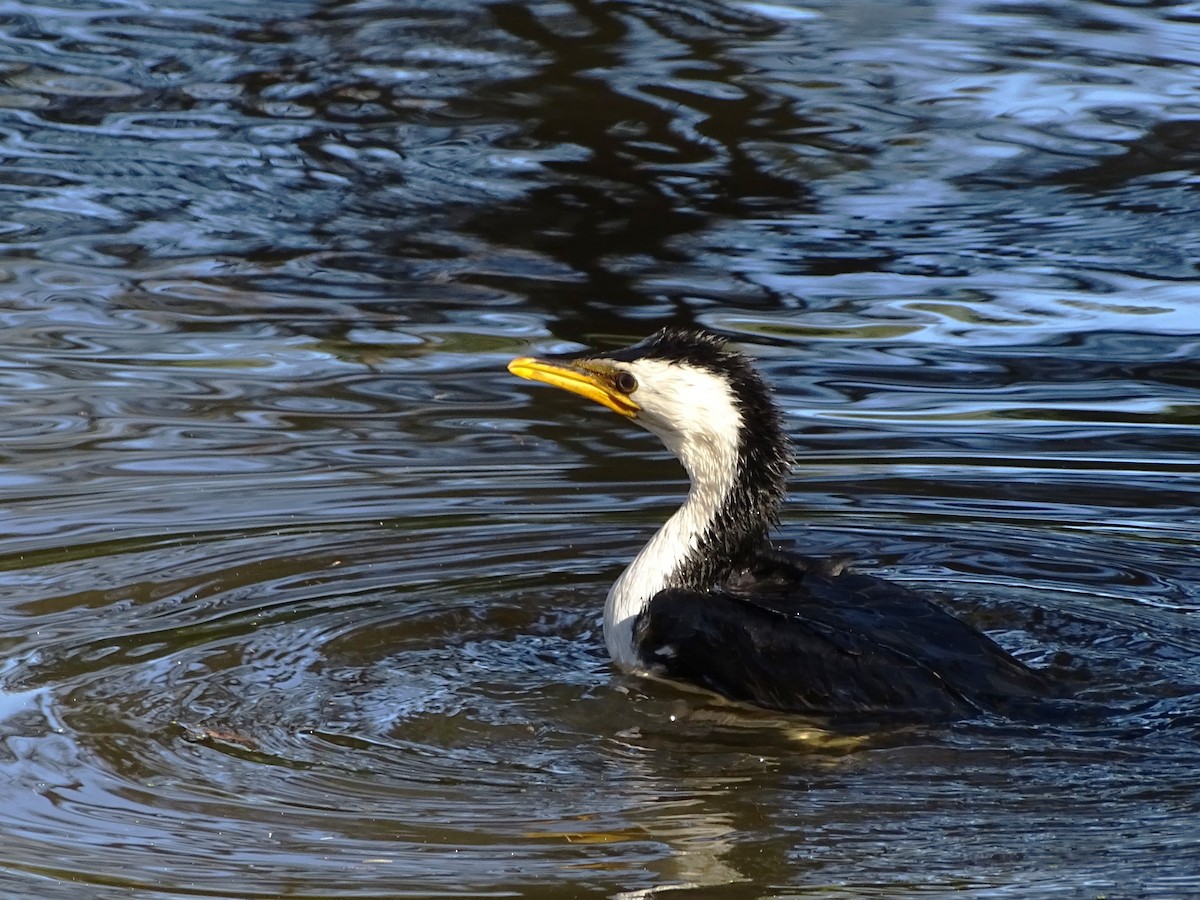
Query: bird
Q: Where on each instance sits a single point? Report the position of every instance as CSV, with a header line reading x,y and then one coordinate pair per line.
x,y
712,602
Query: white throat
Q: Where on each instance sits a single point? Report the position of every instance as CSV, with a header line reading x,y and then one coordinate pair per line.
x,y
707,445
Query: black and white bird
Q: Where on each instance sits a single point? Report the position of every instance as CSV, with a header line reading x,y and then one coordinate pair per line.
x,y
710,601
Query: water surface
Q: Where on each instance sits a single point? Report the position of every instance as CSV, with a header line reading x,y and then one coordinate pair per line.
x,y
301,590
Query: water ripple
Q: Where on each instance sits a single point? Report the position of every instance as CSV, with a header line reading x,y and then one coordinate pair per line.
x,y
301,591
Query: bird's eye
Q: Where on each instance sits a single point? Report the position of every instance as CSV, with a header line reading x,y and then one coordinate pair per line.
x,y
626,383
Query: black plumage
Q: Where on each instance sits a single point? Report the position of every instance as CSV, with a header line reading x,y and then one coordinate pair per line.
x,y
828,641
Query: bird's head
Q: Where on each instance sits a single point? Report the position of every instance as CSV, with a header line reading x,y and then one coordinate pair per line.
x,y
702,399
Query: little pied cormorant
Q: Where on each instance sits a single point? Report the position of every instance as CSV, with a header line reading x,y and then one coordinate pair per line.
x,y
710,601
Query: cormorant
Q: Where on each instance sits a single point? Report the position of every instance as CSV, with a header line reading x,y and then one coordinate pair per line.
x,y
712,602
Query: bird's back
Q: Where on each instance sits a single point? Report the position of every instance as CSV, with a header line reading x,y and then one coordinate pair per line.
x,y
794,635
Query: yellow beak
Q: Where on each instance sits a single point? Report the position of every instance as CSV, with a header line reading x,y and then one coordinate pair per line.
x,y
592,385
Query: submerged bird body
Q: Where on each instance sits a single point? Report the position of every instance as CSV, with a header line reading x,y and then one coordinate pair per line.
x,y
711,602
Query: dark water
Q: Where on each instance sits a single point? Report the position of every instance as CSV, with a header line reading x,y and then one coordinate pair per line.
x,y
300,589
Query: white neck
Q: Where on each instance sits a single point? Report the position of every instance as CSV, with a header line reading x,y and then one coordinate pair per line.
x,y
711,460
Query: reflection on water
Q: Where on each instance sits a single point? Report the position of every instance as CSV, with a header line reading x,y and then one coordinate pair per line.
x,y
301,590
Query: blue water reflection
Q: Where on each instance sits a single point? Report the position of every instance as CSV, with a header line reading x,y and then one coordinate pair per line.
x,y
300,589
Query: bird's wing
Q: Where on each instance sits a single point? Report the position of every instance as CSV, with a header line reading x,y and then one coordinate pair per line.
x,y
824,640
